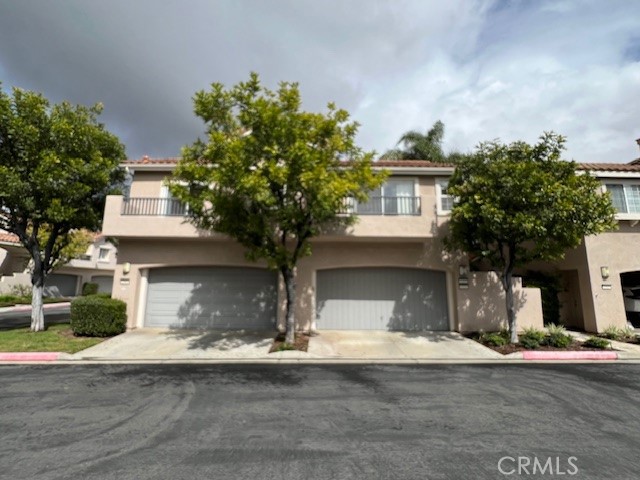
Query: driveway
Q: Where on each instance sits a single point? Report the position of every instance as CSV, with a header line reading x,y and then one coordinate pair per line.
x,y
162,344
371,344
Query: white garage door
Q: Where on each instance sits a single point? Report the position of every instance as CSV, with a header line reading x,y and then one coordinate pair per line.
x,y
381,299
212,297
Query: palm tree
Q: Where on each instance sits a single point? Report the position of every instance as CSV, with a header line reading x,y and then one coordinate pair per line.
x,y
419,146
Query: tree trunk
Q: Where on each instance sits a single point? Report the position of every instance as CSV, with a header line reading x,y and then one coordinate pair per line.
x,y
37,311
511,311
507,283
288,276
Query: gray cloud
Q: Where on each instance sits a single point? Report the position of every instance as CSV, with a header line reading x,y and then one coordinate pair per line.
x,y
487,69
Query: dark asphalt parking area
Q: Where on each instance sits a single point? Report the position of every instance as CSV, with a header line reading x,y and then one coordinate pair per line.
x,y
320,422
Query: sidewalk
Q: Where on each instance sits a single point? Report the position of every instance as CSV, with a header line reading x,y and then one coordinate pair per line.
x,y
186,346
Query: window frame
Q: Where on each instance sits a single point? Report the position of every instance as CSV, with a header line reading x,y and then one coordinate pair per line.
x,y
440,182
624,184
106,258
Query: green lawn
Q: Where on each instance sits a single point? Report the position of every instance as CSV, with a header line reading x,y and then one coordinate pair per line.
x,y
57,338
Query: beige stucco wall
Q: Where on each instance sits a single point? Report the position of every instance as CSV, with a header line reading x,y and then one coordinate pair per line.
x,y
148,184
144,255
620,251
482,305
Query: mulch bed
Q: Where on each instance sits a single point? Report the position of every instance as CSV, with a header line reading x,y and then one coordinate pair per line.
x,y
574,347
301,343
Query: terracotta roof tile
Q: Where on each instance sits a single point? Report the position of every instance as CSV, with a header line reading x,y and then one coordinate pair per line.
x,y
379,163
614,167
9,238
152,161
411,163
634,166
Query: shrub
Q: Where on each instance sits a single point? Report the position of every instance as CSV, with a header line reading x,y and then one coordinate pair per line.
x,y
94,316
619,334
597,342
557,336
89,288
495,339
532,338
558,340
283,347
20,290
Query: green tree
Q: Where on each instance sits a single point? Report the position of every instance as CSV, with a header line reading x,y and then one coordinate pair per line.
x,y
270,175
420,146
57,164
518,203
73,244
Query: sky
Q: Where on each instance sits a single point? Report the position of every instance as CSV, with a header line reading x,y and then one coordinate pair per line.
x,y
488,69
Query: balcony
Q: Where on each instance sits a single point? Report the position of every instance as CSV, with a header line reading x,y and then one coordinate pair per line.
x,y
380,218
384,206
168,207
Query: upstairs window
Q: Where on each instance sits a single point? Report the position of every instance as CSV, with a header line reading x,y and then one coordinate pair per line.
x,y
396,197
625,197
444,200
103,255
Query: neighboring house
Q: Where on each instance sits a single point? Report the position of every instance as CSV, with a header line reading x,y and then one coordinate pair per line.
x,y
389,271
96,265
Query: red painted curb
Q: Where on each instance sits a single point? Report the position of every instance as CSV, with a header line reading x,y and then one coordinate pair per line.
x,y
540,355
29,356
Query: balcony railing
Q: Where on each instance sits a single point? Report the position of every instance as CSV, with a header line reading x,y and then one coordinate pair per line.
x,y
171,207
150,206
383,206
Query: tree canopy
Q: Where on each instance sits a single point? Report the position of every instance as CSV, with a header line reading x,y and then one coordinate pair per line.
x,y
270,175
416,145
517,203
57,164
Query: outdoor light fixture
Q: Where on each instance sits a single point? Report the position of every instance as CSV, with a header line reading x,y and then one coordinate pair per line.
x,y
604,271
126,268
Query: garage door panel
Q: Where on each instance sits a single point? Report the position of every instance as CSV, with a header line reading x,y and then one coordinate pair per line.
x,y
382,299
227,298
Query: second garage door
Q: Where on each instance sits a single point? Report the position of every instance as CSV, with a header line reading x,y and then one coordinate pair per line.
x,y
381,299
220,297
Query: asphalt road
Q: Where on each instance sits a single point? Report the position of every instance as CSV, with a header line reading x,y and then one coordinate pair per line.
x,y
319,422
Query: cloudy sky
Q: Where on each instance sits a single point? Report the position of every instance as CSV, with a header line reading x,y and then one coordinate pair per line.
x,y
488,69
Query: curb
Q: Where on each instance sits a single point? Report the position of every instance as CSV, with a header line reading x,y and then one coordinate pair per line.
x,y
538,355
29,356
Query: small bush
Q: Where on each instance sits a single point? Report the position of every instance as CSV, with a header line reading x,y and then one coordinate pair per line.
x,y
89,288
284,347
619,334
20,290
495,339
597,342
532,338
102,295
554,329
94,316
558,340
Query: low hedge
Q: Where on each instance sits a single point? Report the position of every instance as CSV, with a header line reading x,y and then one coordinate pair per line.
x,y
89,288
95,316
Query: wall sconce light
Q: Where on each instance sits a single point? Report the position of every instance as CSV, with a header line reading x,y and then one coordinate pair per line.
x,y
604,271
126,268
463,271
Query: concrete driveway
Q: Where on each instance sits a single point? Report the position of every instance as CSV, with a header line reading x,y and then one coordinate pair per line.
x,y
368,344
162,344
